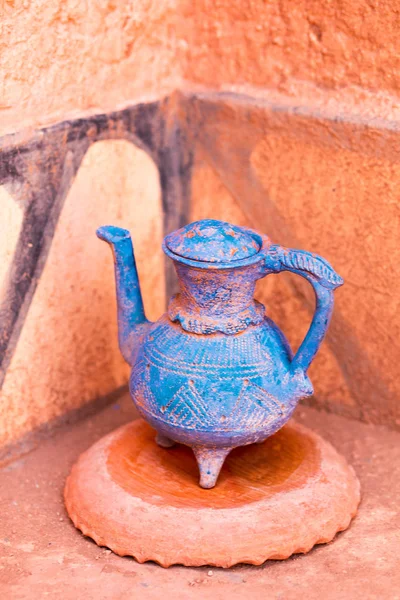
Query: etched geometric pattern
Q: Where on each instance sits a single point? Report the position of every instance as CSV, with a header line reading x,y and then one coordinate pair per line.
x,y
255,407
187,409
251,353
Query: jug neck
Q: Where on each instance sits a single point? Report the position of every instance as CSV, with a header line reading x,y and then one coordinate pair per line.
x,y
212,301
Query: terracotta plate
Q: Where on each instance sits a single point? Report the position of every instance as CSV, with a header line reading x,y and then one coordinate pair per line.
x,y
272,499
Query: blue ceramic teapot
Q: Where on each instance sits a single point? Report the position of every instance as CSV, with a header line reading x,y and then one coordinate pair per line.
x,y
215,372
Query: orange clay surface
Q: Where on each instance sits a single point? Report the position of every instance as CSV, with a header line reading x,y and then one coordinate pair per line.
x,y
250,473
43,555
271,500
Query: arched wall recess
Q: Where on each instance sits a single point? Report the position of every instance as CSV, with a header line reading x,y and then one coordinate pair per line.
x,y
135,154
67,352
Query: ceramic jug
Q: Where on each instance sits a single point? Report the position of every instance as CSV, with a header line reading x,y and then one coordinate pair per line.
x,y
214,372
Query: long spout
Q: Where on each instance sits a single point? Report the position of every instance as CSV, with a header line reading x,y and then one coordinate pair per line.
x,y
132,321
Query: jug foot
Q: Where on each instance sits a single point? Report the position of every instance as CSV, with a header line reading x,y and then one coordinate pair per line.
x,y
164,441
210,461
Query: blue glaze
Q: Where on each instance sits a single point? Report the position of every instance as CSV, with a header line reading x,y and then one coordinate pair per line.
x,y
215,372
131,318
213,241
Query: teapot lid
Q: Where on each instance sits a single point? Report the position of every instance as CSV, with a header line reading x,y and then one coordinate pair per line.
x,y
213,242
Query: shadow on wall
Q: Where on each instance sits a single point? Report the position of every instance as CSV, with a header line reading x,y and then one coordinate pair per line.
x,y
311,180
67,352
58,342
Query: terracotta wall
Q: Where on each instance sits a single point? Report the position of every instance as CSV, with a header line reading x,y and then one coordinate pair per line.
x,y
287,122
62,59
289,45
329,187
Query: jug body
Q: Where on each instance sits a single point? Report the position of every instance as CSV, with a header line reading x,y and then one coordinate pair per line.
x,y
216,389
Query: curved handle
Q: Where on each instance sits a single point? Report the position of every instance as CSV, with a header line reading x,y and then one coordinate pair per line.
x,y
323,279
